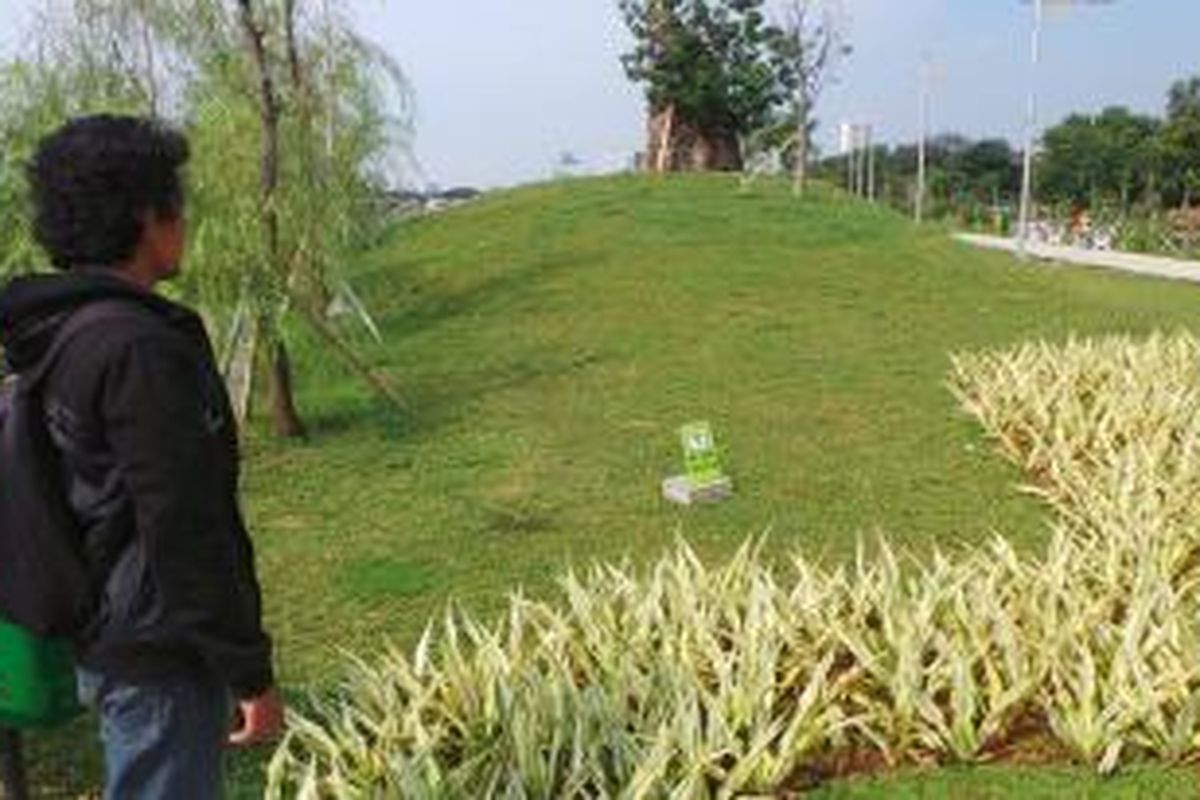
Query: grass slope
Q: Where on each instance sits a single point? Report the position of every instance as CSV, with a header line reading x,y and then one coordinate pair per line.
x,y
551,340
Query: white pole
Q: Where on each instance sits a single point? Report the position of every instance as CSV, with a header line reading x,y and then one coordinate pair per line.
x,y
1030,133
860,177
871,163
855,157
850,162
923,114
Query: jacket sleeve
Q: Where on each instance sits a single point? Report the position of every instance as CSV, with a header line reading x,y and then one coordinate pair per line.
x,y
171,435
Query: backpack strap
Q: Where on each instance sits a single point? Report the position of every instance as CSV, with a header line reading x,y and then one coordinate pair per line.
x,y
80,320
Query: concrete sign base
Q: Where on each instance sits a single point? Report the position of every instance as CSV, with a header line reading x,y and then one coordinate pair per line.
x,y
684,492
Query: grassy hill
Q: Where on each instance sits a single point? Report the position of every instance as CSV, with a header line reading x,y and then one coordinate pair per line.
x,y
550,342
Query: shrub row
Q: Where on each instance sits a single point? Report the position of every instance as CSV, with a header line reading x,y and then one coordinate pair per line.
x,y
686,681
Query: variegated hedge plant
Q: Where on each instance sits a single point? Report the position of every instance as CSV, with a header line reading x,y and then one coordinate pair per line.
x,y
689,682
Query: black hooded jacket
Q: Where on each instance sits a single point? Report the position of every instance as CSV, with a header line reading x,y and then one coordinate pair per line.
x,y
148,451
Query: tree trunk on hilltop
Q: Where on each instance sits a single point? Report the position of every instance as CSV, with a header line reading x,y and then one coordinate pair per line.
x,y
677,145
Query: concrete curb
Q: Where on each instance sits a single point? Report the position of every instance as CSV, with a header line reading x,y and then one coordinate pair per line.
x,y
1171,268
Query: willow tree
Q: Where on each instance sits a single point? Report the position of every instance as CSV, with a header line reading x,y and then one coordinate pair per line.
x,y
58,78
277,210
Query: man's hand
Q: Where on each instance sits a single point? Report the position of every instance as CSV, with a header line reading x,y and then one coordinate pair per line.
x,y
261,720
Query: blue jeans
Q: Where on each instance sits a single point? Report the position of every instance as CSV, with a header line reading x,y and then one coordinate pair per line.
x,y
162,740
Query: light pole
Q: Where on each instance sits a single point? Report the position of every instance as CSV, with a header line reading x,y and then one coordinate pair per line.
x,y
1030,128
923,116
1039,14
871,163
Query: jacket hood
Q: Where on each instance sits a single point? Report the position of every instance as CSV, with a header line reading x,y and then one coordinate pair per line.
x,y
33,308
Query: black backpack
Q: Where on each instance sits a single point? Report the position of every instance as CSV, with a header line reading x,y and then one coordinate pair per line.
x,y
45,584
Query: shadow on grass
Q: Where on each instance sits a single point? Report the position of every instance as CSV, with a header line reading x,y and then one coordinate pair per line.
x,y
495,292
445,399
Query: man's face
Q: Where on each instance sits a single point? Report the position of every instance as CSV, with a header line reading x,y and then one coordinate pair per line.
x,y
164,240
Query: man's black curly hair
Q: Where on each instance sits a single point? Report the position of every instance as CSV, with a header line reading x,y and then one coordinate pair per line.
x,y
92,181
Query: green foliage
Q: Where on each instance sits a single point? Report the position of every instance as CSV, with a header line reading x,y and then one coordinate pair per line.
x,y
1088,160
336,139
356,100
35,98
968,178
1180,145
344,112
1118,158
716,62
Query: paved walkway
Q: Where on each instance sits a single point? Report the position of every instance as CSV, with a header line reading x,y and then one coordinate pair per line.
x,y
1173,268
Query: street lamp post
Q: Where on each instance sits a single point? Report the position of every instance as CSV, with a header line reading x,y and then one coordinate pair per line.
x,y
871,163
923,115
1039,13
1030,132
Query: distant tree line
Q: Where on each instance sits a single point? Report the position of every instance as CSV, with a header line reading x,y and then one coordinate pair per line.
x,y
965,177
1117,158
1114,163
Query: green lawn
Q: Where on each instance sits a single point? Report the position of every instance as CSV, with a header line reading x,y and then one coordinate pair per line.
x,y
551,340
1043,783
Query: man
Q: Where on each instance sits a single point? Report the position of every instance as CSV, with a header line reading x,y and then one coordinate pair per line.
x,y
148,455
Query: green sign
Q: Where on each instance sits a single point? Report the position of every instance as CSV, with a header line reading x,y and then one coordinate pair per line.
x,y
701,458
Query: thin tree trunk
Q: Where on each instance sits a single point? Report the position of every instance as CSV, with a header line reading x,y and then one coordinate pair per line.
x,y
293,49
239,359
305,267
284,418
283,407
801,169
871,167
269,116
666,140
314,308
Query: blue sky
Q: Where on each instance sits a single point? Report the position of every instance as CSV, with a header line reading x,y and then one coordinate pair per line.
x,y
504,86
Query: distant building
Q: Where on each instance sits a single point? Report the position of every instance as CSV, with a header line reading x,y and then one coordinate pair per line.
x,y
570,165
409,202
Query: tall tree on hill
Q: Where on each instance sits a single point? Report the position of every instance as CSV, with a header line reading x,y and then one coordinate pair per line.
x,y
711,78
